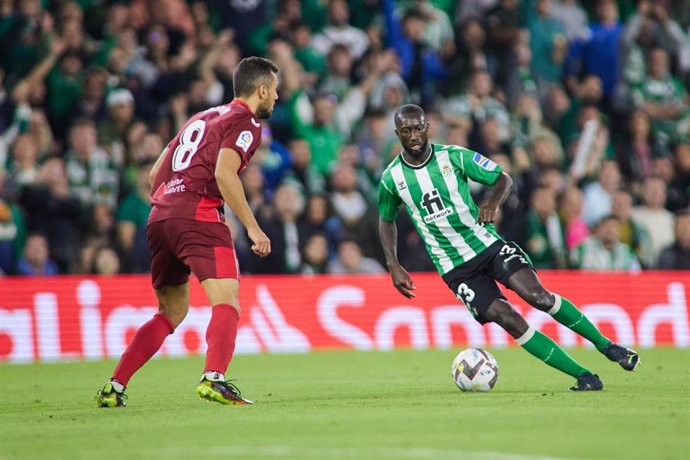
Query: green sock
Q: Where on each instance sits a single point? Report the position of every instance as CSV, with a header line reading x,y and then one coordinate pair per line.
x,y
568,315
548,351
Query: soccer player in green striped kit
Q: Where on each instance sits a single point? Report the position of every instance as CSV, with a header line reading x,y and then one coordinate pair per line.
x,y
430,180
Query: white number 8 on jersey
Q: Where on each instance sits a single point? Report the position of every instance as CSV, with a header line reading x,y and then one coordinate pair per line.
x,y
189,143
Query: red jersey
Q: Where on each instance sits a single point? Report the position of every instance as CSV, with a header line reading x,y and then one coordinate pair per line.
x,y
185,185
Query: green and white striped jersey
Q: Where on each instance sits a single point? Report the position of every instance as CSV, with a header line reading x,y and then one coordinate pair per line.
x,y
437,197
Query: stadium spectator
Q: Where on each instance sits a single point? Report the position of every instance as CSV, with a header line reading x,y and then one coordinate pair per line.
x,y
472,54
302,172
597,51
438,31
112,131
318,219
12,234
637,149
504,28
421,65
476,106
315,255
677,255
351,259
255,189
92,104
653,216
522,80
599,194
313,63
354,211
571,15
106,262
273,158
132,216
654,20
281,227
323,138
101,228
36,259
679,187
632,233
603,250
339,31
544,234
571,204
662,97
53,210
547,41
91,172
23,167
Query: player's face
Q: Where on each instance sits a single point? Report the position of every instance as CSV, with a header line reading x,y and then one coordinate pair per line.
x,y
413,132
268,95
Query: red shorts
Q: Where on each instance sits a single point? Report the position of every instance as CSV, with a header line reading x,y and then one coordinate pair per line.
x,y
181,246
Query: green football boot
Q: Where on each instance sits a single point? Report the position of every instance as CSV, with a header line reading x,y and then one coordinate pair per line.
x,y
109,397
219,391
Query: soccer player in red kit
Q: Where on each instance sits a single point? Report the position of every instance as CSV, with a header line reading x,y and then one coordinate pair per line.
x,y
194,176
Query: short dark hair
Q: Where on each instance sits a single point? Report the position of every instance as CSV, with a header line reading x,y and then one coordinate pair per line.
x,y
251,73
408,110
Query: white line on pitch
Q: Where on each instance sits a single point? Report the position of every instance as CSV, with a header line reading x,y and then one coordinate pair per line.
x,y
415,453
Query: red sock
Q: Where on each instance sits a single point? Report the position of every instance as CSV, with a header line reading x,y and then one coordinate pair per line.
x,y
147,341
220,337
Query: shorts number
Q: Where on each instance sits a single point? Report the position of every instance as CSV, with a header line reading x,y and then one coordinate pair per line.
x,y
189,143
465,293
507,250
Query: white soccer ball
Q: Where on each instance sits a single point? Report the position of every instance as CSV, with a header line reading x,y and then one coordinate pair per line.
x,y
474,370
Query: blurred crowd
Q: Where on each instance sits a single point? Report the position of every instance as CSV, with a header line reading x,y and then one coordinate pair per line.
x,y
584,103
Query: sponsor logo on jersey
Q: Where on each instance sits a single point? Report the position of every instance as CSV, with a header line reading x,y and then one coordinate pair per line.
x,y
244,140
173,186
484,162
402,185
433,204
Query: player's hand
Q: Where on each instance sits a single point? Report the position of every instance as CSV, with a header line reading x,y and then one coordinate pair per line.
x,y
487,214
262,245
402,281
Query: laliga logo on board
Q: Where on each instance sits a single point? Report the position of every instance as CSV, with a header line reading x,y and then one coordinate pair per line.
x,y
267,331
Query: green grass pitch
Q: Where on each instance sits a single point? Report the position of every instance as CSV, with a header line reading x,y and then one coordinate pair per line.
x,y
352,405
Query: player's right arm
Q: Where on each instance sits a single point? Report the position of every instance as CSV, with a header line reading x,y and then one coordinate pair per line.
x,y
230,187
389,203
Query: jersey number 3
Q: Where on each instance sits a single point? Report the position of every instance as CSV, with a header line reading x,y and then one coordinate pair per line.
x,y
189,143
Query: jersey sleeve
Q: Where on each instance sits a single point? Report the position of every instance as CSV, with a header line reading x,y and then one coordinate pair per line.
x,y
243,135
476,166
389,200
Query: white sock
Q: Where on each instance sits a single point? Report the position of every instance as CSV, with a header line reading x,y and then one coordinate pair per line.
x,y
117,386
214,376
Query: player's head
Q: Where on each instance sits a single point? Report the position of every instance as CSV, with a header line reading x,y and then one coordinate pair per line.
x,y
412,129
256,77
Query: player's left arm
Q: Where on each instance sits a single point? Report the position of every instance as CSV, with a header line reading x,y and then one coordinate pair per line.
x,y
156,167
230,186
481,169
488,208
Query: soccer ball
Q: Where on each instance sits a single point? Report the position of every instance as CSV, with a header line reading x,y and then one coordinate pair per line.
x,y
474,370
